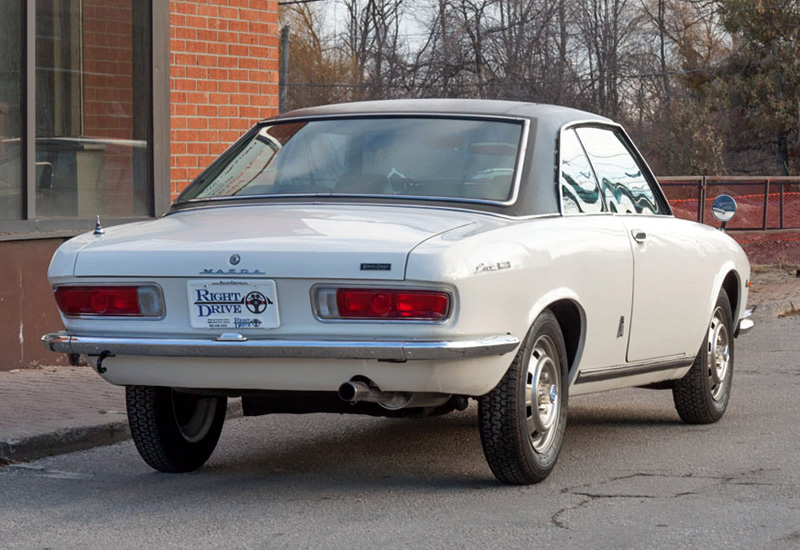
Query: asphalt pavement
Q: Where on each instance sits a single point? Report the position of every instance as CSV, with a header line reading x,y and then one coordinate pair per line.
x,y
48,411
630,476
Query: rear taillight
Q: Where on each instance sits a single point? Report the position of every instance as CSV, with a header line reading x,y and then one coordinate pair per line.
x,y
382,303
110,301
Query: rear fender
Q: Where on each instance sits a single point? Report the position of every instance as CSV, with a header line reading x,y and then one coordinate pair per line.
x,y
547,300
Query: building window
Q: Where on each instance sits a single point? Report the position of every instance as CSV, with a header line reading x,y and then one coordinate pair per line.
x,y
91,125
11,119
76,136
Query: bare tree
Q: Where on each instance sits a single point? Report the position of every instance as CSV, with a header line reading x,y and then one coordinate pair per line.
x,y
607,27
318,73
662,67
372,42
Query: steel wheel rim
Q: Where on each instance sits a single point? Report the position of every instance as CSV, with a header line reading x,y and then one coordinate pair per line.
x,y
542,394
193,415
718,355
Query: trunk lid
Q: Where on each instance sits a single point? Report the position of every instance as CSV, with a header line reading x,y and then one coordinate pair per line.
x,y
273,241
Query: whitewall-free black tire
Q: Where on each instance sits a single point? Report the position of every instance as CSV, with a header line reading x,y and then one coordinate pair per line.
x,y
174,431
522,420
701,397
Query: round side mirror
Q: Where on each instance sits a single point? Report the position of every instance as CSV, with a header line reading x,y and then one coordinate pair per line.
x,y
723,208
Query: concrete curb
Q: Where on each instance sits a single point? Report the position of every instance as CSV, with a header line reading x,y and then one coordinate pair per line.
x,y
62,441
78,438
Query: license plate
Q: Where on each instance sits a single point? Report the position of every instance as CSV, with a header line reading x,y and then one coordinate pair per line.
x,y
233,304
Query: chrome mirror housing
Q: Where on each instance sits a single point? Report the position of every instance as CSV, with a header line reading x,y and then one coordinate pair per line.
x,y
723,208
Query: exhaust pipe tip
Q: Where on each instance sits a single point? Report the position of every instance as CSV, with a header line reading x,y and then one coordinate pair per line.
x,y
353,391
356,391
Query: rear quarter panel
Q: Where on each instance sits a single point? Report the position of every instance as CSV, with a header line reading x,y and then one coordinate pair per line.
x,y
507,273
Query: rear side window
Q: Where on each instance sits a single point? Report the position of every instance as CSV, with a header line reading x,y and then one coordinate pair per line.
x,y
579,190
625,187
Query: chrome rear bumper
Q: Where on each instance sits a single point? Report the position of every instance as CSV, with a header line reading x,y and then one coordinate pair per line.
x,y
382,350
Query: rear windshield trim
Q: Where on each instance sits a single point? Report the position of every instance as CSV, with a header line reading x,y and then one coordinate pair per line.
x,y
518,167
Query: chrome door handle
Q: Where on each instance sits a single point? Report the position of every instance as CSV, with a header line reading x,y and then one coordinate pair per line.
x,y
639,236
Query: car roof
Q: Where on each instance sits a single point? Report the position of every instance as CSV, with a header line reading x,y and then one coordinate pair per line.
x,y
538,193
490,107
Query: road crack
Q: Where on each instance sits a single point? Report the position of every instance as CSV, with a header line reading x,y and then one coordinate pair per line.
x,y
556,520
599,495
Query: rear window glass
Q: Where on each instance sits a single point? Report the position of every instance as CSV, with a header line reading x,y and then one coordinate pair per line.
x,y
426,157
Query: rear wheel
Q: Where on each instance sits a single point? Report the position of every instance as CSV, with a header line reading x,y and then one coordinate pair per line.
x,y
701,396
522,420
174,431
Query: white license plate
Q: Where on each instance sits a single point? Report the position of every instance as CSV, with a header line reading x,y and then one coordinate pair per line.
x,y
233,304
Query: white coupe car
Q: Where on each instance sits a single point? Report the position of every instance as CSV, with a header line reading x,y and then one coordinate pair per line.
x,y
398,258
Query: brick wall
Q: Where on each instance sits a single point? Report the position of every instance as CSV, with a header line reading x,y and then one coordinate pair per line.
x,y
224,77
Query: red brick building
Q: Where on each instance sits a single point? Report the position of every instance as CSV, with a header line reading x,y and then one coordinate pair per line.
x,y
112,107
224,74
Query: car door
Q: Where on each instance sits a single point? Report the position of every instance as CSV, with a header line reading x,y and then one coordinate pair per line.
x,y
669,284
604,273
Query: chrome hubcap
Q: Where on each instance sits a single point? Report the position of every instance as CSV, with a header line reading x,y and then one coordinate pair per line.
x,y
193,415
718,355
542,399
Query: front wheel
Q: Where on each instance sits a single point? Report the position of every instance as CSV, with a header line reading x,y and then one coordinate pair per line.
x,y
174,431
701,396
522,420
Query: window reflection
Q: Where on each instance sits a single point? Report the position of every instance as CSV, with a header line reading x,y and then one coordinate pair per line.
x,y
11,119
579,190
625,188
92,111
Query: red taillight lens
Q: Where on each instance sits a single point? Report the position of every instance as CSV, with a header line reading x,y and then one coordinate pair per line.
x,y
109,301
358,303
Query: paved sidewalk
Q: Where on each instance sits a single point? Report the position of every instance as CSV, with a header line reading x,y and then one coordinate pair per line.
x,y
55,410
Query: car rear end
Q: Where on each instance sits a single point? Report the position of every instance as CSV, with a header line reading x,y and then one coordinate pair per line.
x,y
281,276
164,303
